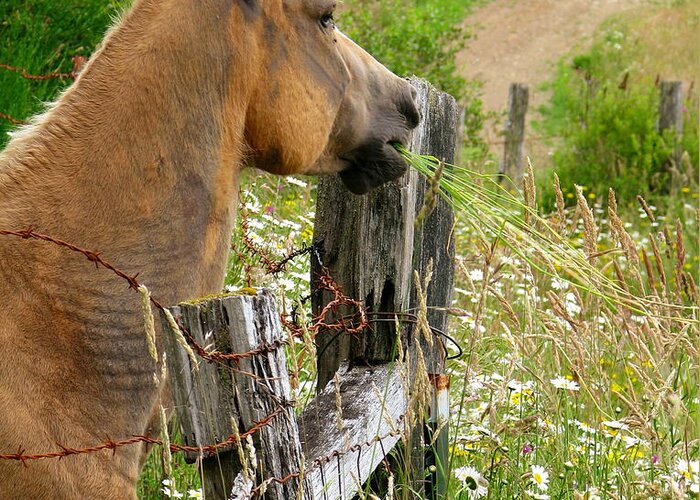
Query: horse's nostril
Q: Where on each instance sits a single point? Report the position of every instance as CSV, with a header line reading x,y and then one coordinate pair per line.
x,y
410,111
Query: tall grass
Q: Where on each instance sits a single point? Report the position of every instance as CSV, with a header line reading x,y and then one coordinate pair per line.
x,y
580,378
492,211
580,369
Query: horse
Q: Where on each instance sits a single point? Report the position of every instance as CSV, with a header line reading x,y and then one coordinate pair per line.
x,y
140,158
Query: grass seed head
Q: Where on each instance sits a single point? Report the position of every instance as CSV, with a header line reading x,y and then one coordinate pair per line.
x,y
590,227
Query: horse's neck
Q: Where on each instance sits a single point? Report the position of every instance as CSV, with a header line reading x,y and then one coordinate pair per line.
x,y
138,158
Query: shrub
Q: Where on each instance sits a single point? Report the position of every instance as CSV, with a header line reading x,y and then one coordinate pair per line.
x,y
606,115
411,37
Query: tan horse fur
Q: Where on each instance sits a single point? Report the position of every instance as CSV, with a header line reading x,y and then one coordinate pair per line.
x,y
140,159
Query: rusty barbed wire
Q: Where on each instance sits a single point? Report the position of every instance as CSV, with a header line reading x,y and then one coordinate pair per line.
x,y
78,62
95,257
271,265
110,444
12,119
345,322
340,299
326,283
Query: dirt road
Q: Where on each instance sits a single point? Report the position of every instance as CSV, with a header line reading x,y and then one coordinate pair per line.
x,y
520,40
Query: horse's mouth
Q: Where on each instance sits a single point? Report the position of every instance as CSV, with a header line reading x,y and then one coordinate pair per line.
x,y
372,165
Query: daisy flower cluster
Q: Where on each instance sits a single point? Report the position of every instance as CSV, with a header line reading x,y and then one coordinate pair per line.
x,y
561,395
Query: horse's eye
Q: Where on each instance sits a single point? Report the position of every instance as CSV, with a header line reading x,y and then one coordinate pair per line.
x,y
327,21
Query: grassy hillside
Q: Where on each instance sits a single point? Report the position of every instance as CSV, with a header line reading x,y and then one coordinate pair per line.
x,y
43,36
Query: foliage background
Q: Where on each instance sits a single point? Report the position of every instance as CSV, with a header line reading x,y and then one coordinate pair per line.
x,y
604,109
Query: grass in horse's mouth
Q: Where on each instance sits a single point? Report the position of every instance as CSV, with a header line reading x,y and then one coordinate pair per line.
x,y
496,212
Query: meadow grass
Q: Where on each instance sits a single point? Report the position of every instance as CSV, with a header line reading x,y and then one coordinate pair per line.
x,y
565,389
579,377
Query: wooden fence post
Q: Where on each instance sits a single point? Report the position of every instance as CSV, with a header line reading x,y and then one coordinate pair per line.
x,y
371,247
246,391
335,462
671,118
513,162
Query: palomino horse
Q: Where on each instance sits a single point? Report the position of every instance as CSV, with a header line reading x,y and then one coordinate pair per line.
x,y
140,158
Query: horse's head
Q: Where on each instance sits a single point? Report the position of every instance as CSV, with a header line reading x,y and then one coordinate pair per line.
x,y
321,104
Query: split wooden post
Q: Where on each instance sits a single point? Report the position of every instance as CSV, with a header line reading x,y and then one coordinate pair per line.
x,y
371,247
513,162
209,399
343,450
671,118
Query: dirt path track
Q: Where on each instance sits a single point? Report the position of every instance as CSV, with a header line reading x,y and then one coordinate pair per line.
x,y
520,40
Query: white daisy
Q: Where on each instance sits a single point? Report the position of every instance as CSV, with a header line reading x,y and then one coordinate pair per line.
x,y
540,477
171,493
615,425
472,481
689,471
476,275
571,304
565,384
296,181
559,284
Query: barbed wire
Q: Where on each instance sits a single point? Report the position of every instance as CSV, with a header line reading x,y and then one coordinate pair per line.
x,y
351,324
12,119
78,62
272,266
132,280
110,444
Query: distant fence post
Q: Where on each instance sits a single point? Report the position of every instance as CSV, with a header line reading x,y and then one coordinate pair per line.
x,y
671,118
245,390
370,246
513,162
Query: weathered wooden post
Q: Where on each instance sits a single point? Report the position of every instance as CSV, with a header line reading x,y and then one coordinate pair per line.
x,y
671,119
371,246
256,386
243,391
513,162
